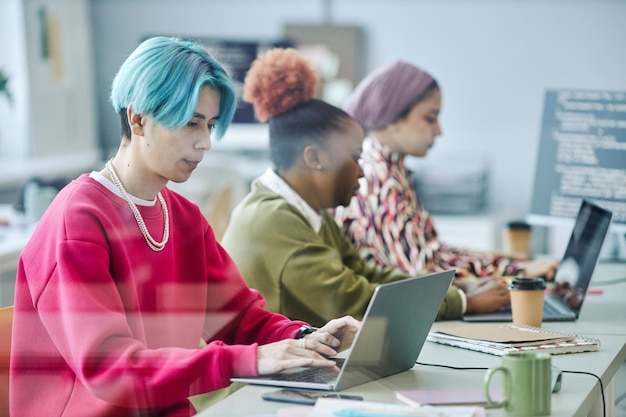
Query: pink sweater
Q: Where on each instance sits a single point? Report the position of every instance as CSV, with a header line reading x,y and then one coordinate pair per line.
x,y
104,326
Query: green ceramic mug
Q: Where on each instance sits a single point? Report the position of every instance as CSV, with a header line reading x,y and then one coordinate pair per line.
x,y
526,379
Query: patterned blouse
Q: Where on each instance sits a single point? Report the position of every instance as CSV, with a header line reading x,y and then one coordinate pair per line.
x,y
390,227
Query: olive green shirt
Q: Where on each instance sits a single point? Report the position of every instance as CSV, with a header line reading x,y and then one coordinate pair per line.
x,y
303,274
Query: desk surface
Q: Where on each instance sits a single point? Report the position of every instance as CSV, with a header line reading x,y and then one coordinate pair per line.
x,y
603,316
604,313
576,398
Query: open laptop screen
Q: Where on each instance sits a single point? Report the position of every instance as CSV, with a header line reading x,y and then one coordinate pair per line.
x,y
581,255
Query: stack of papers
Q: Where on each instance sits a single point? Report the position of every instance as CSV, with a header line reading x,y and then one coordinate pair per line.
x,y
500,339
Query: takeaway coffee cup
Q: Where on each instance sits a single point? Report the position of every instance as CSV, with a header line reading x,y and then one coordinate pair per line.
x,y
527,300
526,384
516,238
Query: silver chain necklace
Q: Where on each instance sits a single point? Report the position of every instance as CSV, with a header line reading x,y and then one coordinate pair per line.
x,y
152,243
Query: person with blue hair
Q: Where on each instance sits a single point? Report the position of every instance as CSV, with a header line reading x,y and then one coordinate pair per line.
x,y
125,303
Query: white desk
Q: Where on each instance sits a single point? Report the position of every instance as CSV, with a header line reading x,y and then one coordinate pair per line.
x,y
479,231
605,313
603,316
576,398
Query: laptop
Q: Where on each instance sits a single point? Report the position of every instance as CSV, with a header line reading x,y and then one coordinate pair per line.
x,y
392,333
565,299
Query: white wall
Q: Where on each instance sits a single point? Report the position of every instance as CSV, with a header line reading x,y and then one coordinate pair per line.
x,y
13,63
493,58
50,126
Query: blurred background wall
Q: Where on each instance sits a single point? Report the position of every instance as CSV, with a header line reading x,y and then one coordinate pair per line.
x,y
493,58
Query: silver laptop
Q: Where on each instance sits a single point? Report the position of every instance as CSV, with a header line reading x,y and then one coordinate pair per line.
x,y
565,300
393,331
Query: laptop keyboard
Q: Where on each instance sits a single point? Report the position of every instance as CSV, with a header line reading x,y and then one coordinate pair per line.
x,y
314,375
552,308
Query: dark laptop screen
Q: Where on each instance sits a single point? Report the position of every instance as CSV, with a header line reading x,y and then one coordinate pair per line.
x,y
581,255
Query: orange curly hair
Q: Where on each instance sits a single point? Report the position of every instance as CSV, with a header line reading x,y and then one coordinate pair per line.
x,y
277,81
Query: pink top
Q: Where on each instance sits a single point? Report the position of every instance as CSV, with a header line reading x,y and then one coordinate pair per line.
x,y
390,227
104,326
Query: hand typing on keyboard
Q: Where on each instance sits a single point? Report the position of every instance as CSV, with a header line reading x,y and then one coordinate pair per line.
x,y
313,350
541,268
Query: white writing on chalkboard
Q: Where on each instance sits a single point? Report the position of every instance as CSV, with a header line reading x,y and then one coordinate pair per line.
x,y
582,153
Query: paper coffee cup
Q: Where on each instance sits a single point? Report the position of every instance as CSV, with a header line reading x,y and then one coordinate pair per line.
x,y
516,237
527,301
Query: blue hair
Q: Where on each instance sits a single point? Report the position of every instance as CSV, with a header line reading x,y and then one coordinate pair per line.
x,y
163,77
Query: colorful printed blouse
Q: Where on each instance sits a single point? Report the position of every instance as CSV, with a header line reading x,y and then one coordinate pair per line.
x,y
390,227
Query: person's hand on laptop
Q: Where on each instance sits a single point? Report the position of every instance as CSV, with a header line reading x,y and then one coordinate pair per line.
x,y
338,333
485,295
540,268
314,349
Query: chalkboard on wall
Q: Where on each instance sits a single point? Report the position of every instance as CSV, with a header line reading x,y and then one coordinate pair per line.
x,y
582,154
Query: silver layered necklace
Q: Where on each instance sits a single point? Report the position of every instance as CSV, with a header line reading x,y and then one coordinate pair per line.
x,y
152,243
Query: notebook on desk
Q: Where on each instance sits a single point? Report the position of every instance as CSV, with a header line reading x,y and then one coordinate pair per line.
x,y
392,334
565,300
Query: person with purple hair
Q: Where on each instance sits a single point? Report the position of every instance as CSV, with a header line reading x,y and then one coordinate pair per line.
x,y
398,105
